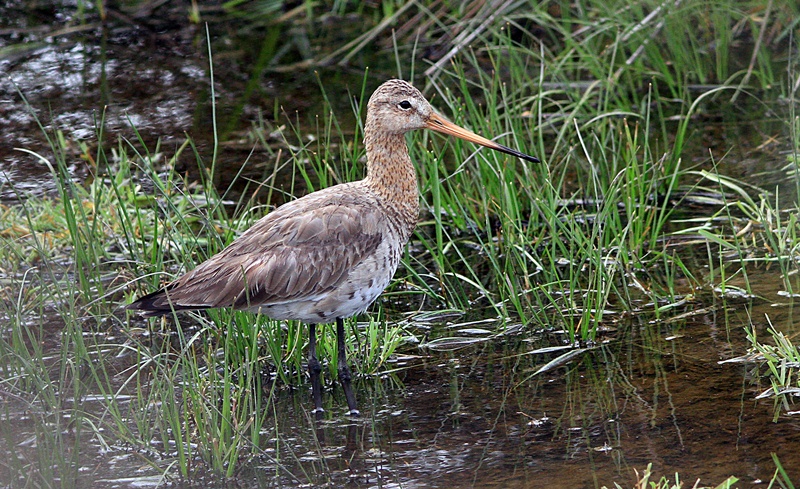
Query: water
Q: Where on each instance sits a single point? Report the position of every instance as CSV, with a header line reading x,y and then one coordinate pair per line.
x,y
479,417
474,417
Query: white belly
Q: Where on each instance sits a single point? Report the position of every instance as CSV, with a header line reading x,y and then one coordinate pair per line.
x,y
363,285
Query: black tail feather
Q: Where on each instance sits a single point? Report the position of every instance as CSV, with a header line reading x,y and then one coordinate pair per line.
x,y
157,304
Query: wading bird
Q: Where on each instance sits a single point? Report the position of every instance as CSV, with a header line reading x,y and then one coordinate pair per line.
x,y
328,255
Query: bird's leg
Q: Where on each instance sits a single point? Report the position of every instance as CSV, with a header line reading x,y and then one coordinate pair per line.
x,y
314,368
344,370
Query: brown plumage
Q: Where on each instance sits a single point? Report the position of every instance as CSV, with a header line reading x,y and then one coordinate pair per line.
x,y
328,255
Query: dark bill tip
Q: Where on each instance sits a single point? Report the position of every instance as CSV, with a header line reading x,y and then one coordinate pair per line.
x,y
516,153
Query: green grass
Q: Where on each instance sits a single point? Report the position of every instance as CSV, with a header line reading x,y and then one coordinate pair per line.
x,y
197,388
645,482
610,101
606,227
781,361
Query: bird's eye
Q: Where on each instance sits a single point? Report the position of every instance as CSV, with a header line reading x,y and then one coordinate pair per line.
x,y
405,105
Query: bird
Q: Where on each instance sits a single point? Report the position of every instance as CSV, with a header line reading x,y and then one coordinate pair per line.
x,y
328,255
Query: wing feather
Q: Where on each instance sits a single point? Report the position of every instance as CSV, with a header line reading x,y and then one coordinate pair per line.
x,y
300,251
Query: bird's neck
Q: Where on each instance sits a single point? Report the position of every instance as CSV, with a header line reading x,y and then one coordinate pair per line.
x,y
390,172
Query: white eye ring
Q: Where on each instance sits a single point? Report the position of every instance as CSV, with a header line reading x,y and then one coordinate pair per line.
x,y
404,105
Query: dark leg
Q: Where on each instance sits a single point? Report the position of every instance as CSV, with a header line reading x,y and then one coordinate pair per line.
x,y
344,370
314,368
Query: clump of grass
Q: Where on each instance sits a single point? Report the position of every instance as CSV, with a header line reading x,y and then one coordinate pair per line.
x,y
782,360
584,236
645,482
780,478
555,261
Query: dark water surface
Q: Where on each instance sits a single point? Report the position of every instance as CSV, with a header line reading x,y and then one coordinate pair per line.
x,y
479,417
475,417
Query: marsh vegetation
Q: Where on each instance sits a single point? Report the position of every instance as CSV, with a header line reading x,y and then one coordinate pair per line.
x,y
625,305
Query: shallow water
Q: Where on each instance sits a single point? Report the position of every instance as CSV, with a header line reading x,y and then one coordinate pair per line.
x,y
474,417
479,417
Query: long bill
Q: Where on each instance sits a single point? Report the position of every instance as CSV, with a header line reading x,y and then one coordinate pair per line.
x,y
440,124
